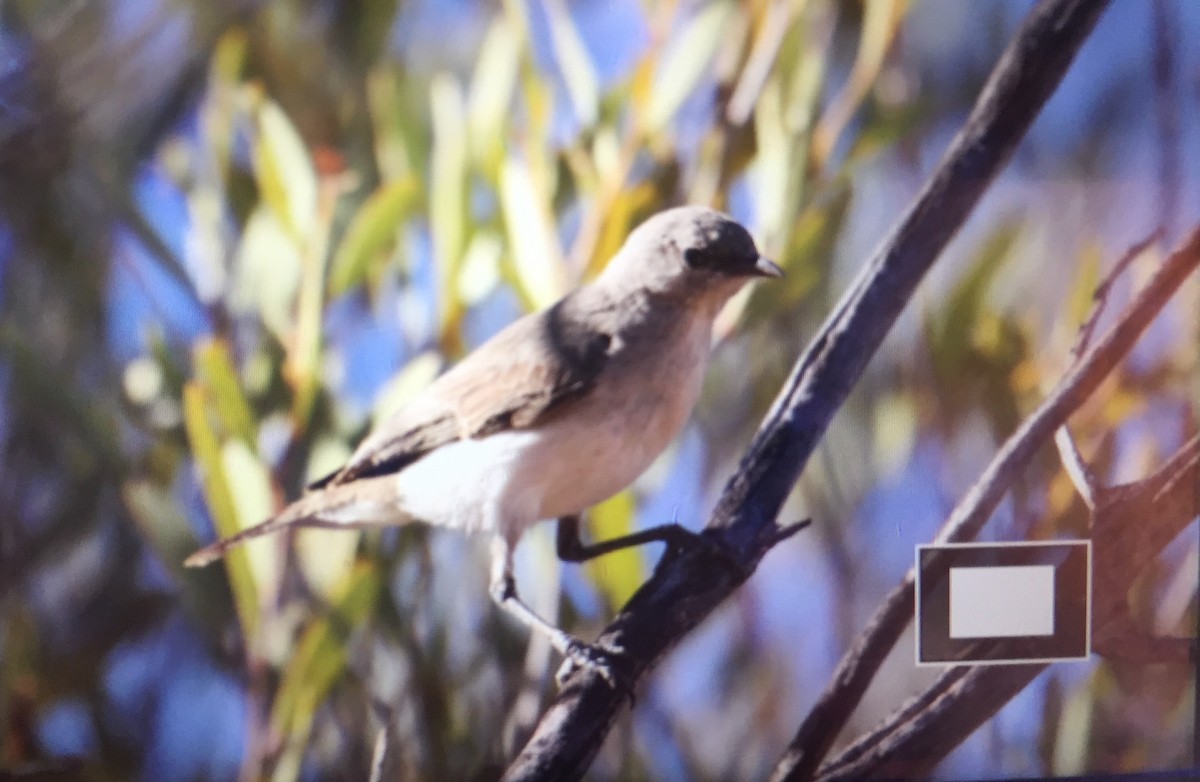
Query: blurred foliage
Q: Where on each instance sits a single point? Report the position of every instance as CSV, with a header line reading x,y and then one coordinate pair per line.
x,y
279,185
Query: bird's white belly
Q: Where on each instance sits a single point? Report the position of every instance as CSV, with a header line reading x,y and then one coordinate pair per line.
x,y
471,484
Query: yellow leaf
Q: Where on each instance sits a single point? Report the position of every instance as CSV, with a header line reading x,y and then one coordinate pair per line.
x,y
317,664
448,188
325,556
267,273
685,61
372,231
206,451
575,63
492,87
215,369
480,272
283,169
536,253
250,490
619,574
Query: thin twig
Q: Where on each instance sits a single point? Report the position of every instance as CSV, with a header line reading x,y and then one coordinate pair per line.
x,y
1100,297
1077,468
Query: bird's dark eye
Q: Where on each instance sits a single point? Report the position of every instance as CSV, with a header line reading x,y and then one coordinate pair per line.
x,y
697,258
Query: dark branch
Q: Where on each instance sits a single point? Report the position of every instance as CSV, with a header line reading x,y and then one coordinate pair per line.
x,y
686,588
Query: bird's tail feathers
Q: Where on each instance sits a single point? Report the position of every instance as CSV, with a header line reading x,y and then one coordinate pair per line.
x,y
350,506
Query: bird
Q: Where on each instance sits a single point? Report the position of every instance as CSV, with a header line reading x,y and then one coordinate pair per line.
x,y
555,413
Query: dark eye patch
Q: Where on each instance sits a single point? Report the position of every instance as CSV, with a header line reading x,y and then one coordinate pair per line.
x,y
698,259
727,255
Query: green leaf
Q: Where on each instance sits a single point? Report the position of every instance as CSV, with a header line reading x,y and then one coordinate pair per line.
x,y
326,455
619,574
283,169
250,490
215,369
492,86
1082,295
267,274
480,273
895,432
685,61
160,519
575,63
325,556
229,56
881,22
448,187
964,304
811,240
319,661
372,232
206,450
1074,730
536,254
304,353
783,118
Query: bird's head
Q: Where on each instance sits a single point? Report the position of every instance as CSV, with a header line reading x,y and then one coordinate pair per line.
x,y
690,251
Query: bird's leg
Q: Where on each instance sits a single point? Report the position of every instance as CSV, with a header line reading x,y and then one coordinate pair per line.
x,y
504,592
571,548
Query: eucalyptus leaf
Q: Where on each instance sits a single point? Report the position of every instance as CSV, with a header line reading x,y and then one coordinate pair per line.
x,y
267,274
685,61
318,662
206,451
619,574
283,169
536,254
372,232
492,87
574,62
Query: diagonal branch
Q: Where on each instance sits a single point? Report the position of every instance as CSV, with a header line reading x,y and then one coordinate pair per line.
x,y
686,588
857,669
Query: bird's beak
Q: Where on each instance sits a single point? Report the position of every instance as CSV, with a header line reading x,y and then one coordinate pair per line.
x,y
764,267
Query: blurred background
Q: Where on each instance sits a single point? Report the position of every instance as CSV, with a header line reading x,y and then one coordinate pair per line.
x,y
233,234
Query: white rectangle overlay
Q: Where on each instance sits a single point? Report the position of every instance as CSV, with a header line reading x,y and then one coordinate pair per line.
x,y
1009,601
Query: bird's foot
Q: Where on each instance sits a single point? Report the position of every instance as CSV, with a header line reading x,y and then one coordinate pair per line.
x,y
606,662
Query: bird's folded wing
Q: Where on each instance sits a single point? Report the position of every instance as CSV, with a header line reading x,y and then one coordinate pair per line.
x,y
514,381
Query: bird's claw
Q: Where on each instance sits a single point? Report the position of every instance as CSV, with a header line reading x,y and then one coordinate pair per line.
x,y
596,658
